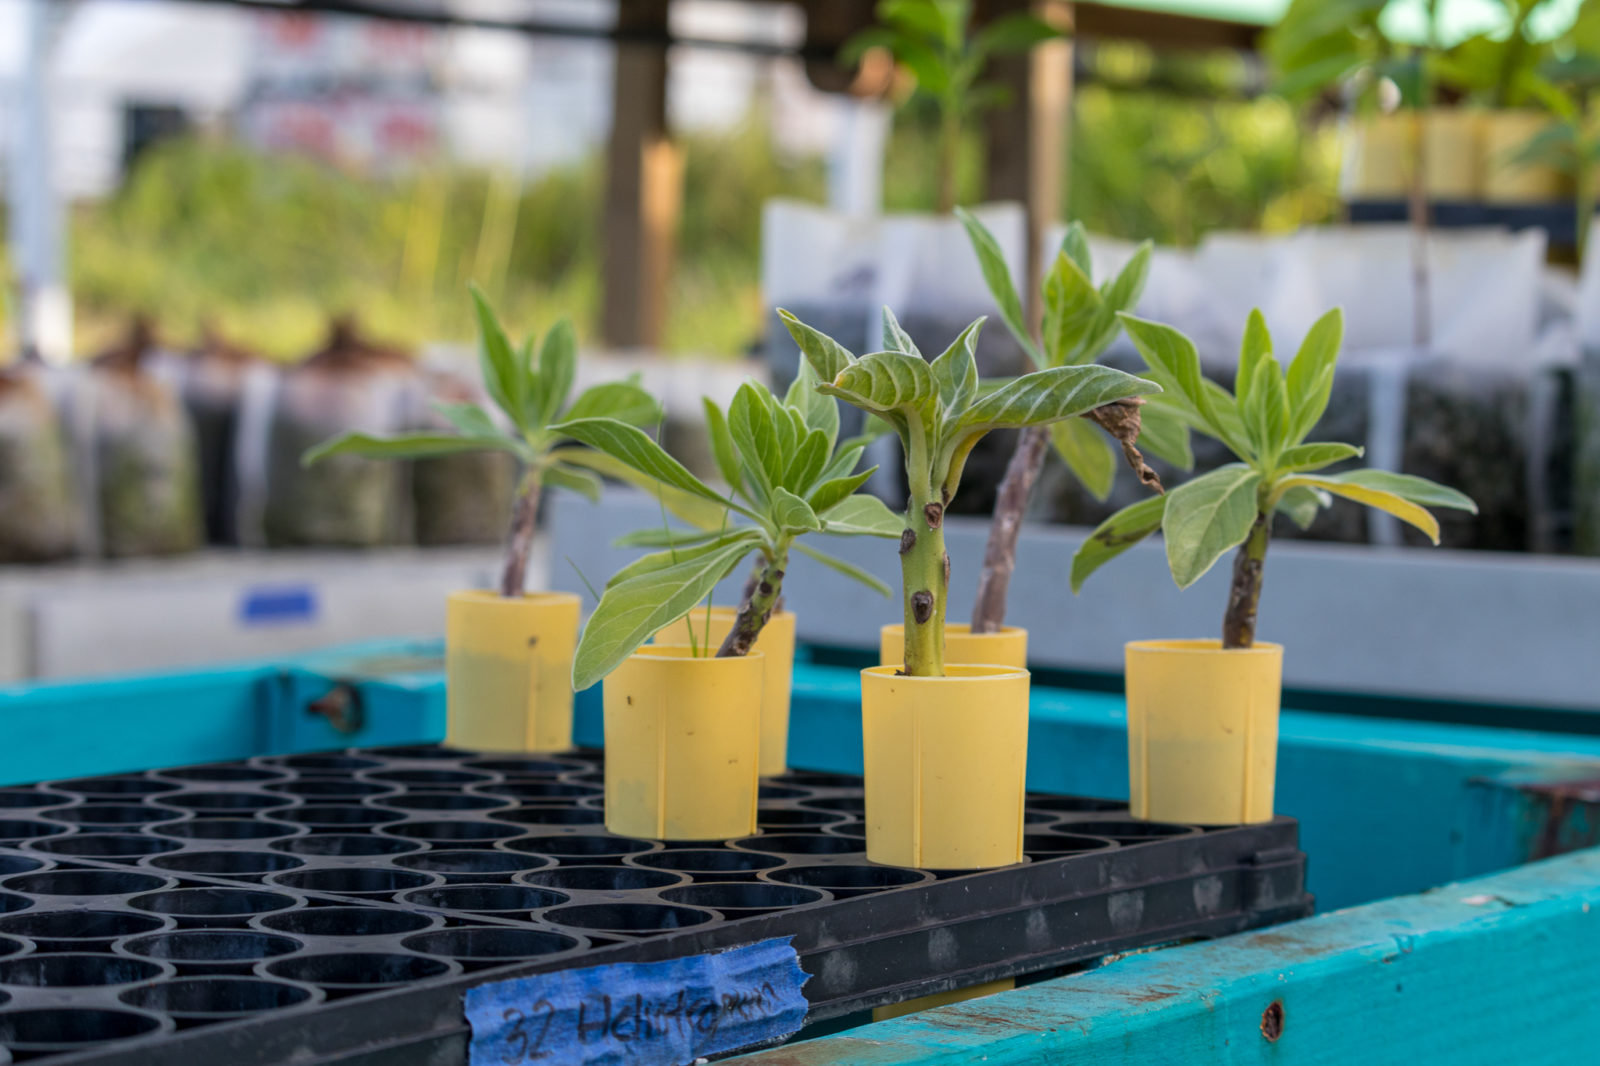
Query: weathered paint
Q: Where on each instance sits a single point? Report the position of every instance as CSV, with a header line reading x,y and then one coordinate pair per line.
x,y
1486,972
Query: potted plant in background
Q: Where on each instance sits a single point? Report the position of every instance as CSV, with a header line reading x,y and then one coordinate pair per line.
x,y
688,728
945,747
508,652
1203,714
1079,323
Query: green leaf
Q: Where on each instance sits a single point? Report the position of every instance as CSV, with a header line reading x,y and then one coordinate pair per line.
x,y
917,16
1013,33
1120,294
722,444
626,401
1306,457
955,371
1087,453
1046,396
631,611
1075,246
1173,355
833,491
633,447
1311,374
572,479
469,419
791,514
826,355
1418,490
667,537
689,506
844,462
1116,535
558,366
404,446
752,422
505,377
807,463
1164,433
887,383
1255,346
1302,503
864,516
849,570
818,411
1266,413
1073,312
1402,508
997,275
677,553
896,339
1206,517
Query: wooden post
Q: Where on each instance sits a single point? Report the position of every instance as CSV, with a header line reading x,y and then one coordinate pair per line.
x,y
643,183
1026,141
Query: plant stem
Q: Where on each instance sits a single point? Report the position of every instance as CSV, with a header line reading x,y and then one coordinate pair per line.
x,y
924,582
1239,624
519,541
759,600
1010,503
1417,213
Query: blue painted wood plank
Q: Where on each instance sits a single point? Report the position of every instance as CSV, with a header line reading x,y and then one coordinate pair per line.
x,y
1488,972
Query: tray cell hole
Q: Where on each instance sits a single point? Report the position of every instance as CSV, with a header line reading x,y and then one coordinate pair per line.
x,y
195,1001
429,778
204,803
355,972
1060,844
631,918
212,950
447,832
326,763
335,816
540,790
851,804
845,881
591,847
65,927
10,903
602,878
785,818
115,847
1074,803
782,792
86,883
472,864
229,829
24,798
522,766
85,970
710,860
12,829
417,751
445,801
818,780
553,816
60,1028
485,899
798,844
347,845
129,785
742,899
346,921
355,880
331,791
227,863
478,948
18,864
1129,832
112,814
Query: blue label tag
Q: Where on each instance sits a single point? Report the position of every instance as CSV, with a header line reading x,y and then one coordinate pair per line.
x,y
641,1013
277,605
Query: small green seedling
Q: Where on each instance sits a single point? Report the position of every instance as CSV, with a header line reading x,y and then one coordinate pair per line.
x,y
530,385
1080,322
940,413
933,39
1265,424
788,475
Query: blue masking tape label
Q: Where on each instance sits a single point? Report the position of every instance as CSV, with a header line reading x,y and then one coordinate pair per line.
x,y
275,605
641,1013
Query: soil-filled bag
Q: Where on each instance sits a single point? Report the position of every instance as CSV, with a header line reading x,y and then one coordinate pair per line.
x,y
144,453
345,500
213,380
39,514
459,499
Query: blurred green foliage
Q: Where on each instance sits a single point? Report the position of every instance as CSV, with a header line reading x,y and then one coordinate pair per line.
x,y
268,247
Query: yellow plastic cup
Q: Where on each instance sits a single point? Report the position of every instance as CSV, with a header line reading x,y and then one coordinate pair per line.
x,y
1202,731
776,642
508,670
946,762
1009,647
683,740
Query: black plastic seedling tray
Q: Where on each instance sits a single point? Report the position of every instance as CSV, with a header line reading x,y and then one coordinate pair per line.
x,y
335,908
